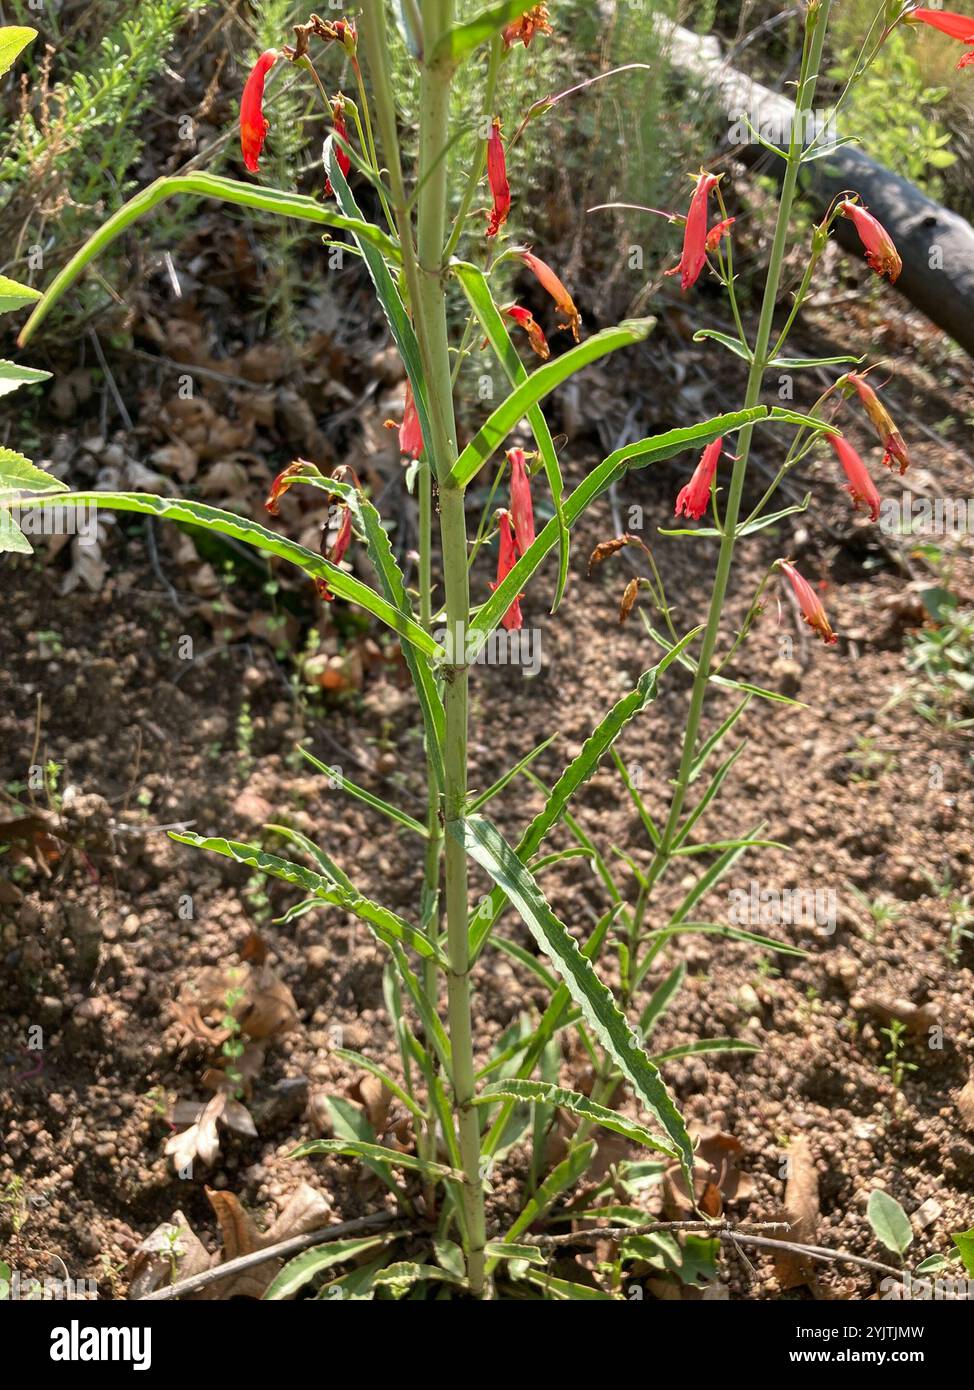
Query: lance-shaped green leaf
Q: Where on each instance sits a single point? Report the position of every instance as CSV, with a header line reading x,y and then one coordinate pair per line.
x,y
733,345
393,584
342,783
488,848
704,1045
14,38
377,1153
748,528
14,295
400,324
18,475
460,40
13,375
639,455
345,585
562,1177
387,925
663,995
578,771
358,1059
474,285
248,195
310,1263
712,877
713,790
495,788
539,384
708,746
543,1092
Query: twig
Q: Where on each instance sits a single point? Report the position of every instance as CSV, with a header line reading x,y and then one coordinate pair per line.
x,y
292,1246
723,1231
110,380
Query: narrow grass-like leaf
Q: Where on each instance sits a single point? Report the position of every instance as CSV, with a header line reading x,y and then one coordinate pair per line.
x,y
345,585
249,195
713,789
544,1093
474,285
744,687
565,1175
400,324
711,742
639,455
378,1153
539,384
704,1045
304,1267
649,825
385,924
566,1290
663,995
343,783
767,943
487,847
710,879
733,345
745,842
315,852
501,783
578,771
358,1059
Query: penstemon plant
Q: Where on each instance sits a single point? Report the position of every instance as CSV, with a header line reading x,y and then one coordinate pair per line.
x,y
464,1119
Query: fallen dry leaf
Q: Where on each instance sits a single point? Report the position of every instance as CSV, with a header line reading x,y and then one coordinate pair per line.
x,y
801,1211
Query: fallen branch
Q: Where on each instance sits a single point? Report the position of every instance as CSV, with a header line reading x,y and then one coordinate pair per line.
x,y
292,1246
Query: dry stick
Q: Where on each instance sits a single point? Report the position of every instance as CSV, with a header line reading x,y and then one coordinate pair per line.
x,y
723,1231
292,1246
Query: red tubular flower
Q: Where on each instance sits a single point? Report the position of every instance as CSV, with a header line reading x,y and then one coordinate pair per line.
x,y
525,319
694,499
410,430
894,445
506,560
956,26
341,129
337,552
859,485
550,282
718,230
253,126
281,484
695,235
522,510
809,603
497,177
523,30
876,240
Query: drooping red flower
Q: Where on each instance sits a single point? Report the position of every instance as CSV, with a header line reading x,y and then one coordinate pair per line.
x,y
341,129
497,178
550,282
718,230
876,240
523,30
526,320
809,603
859,484
956,26
694,499
894,445
695,235
337,552
281,484
253,125
506,560
522,509
410,429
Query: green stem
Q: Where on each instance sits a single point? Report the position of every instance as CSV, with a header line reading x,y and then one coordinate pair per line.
x,y
816,25
434,112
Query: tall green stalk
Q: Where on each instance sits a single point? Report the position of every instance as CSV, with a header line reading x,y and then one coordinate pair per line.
x,y
425,283
815,29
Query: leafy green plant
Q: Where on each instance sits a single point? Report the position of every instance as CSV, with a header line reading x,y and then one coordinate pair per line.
x,y
466,1120
943,653
889,1221
896,1066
